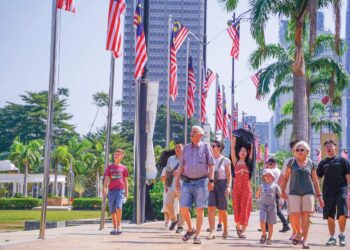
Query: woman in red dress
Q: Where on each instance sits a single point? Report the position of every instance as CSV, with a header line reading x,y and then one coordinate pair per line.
x,y
242,192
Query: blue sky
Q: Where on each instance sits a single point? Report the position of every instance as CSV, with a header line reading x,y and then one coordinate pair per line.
x,y
84,63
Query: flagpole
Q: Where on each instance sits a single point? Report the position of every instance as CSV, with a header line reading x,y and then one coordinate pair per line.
x,y
223,113
233,77
186,99
108,135
49,125
167,138
200,90
216,104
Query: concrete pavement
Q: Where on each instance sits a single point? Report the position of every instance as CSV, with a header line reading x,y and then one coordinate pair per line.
x,y
155,236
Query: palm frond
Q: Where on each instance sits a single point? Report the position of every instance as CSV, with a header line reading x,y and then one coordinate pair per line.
x,y
325,43
282,125
269,51
229,5
277,94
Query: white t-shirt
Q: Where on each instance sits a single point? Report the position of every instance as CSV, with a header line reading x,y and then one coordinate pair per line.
x,y
171,164
276,174
222,169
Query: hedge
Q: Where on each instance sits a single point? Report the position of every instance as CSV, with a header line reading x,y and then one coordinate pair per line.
x,y
19,203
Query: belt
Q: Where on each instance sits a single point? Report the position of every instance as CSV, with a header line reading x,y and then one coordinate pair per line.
x,y
187,179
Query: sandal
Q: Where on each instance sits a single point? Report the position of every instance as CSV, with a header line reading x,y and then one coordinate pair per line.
x,y
197,240
188,235
306,246
262,239
297,239
269,242
225,235
239,232
242,236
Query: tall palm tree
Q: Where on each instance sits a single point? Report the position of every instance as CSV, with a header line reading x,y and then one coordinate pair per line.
x,y
61,156
296,11
26,155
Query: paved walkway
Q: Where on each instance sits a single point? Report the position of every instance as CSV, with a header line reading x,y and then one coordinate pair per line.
x,y
154,236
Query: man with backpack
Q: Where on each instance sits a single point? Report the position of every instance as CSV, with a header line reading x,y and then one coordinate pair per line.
x,y
168,177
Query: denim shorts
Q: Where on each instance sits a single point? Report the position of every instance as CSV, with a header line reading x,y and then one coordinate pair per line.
x,y
194,191
115,199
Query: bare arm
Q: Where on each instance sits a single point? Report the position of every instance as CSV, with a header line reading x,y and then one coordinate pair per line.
x,y
178,176
251,152
233,150
105,185
228,176
126,187
317,187
258,192
284,183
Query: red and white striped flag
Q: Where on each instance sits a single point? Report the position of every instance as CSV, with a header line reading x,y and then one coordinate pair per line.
x,y
67,5
235,118
258,150
233,31
209,79
114,36
225,131
141,49
178,36
191,89
219,111
266,155
256,80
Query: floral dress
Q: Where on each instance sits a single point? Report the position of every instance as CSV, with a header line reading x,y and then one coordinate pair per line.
x,y
242,194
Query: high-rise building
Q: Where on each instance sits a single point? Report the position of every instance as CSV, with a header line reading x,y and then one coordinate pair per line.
x,y
346,96
191,14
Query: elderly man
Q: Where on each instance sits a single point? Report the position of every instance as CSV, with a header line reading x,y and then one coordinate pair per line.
x,y
196,166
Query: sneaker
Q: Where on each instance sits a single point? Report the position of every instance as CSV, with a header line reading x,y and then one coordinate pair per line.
x,y
113,232
119,231
331,242
269,242
342,241
166,223
172,225
188,235
219,227
285,229
179,230
197,240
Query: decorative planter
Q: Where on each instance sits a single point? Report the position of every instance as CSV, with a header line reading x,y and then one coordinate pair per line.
x,y
57,201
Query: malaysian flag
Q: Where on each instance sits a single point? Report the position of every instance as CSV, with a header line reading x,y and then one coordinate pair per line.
x,y
233,31
235,118
258,153
191,89
266,154
209,79
67,5
225,131
114,37
141,50
256,80
219,112
178,36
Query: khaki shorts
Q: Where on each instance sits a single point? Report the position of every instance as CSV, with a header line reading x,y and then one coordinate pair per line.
x,y
301,203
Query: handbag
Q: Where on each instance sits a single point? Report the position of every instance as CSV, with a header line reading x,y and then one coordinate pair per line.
x,y
169,176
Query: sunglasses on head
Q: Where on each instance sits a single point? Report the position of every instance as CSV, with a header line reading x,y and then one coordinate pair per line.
x,y
300,150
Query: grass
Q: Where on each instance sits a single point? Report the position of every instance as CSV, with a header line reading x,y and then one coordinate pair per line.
x,y
13,220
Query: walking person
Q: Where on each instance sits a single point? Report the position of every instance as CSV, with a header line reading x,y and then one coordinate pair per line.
x,y
242,191
196,166
335,191
116,180
272,164
173,195
222,184
303,186
267,192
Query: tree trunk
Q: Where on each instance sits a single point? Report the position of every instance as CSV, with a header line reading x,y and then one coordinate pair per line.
x,y
312,7
25,184
308,101
300,113
55,187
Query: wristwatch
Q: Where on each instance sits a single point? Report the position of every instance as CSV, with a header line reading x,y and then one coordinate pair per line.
x,y
211,180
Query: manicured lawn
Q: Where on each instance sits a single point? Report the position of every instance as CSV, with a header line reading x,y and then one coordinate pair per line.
x,y
11,220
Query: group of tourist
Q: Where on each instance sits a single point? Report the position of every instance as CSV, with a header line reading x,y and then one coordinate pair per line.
x,y
198,174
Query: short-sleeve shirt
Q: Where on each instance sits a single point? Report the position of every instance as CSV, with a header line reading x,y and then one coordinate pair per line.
x,y
196,159
334,171
269,192
172,163
276,174
300,179
222,170
117,175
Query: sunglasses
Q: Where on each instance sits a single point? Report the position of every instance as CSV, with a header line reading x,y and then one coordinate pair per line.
x,y
214,145
300,150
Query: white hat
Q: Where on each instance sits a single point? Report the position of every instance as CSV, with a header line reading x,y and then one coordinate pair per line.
x,y
267,171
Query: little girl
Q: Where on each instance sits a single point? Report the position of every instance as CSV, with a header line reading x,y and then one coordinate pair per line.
x,y
267,205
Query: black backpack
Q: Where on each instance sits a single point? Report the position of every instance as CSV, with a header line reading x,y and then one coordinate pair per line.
x,y
163,159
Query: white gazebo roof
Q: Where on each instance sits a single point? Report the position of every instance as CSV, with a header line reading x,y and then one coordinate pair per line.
x,y
7,166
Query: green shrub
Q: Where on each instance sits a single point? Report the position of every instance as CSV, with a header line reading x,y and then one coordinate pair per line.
x,y
19,203
87,203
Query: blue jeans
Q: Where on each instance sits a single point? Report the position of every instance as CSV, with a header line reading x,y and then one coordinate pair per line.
x,y
194,191
115,199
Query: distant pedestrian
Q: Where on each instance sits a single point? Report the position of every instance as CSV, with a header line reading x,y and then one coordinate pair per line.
x,y
196,165
116,180
242,191
303,186
267,192
218,196
335,191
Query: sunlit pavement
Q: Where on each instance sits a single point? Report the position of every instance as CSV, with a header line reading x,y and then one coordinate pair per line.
x,y
155,236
